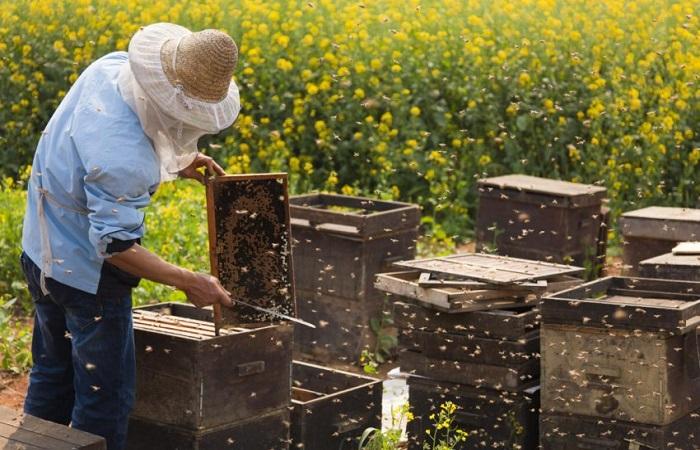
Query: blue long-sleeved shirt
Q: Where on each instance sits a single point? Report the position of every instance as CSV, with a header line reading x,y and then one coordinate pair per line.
x,y
93,156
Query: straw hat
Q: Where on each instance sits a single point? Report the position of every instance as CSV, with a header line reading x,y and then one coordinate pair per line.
x,y
187,75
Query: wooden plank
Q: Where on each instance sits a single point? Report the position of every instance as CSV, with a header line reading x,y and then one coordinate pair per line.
x,y
26,432
547,186
481,375
471,349
490,268
250,244
509,324
664,223
448,299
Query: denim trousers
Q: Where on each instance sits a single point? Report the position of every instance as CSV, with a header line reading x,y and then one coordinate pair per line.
x,y
84,364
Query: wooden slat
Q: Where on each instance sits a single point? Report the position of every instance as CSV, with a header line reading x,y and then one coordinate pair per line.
x,y
490,268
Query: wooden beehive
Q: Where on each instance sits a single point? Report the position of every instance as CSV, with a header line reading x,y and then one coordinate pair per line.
x,y
332,408
655,230
542,219
268,431
670,266
493,419
622,348
20,431
189,378
571,432
250,245
340,242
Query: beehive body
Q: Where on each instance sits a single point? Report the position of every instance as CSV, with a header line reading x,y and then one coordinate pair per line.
x,y
542,219
332,408
203,383
618,374
670,266
336,255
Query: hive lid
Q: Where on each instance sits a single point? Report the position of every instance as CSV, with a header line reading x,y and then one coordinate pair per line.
x,y
669,259
250,243
546,186
490,268
662,222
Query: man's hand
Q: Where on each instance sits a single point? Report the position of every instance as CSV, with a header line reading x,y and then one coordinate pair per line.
x,y
201,289
204,290
201,160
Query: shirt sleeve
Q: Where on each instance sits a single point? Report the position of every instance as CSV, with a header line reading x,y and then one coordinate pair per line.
x,y
121,172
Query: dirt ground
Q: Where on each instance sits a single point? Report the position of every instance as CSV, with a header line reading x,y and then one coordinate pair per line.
x,y
13,388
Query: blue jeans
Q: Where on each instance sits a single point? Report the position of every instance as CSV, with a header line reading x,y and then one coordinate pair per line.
x,y
84,364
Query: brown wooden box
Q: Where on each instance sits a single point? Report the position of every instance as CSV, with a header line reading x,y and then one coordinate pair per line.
x,y
340,242
509,324
630,375
493,419
670,266
332,408
269,431
24,432
570,432
543,219
187,377
655,230
664,306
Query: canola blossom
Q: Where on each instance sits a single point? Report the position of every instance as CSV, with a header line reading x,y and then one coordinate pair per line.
x,y
408,99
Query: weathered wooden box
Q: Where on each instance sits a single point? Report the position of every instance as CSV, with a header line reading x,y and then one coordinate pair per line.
x,y
655,230
340,242
332,408
543,219
189,378
493,348
570,432
19,431
268,431
493,419
502,324
622,348
670,266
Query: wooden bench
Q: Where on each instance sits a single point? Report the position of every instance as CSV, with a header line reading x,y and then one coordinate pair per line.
x,y
24,432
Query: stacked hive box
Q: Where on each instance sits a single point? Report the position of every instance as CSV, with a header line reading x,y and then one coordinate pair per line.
x,y
332,408
652,231
670,266
197,390
543,219
476,347
620,366
340,242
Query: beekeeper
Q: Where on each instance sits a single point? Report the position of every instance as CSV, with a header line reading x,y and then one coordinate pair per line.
x,y
130,122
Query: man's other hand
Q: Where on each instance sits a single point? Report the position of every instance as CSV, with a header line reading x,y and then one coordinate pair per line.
x,y
202,161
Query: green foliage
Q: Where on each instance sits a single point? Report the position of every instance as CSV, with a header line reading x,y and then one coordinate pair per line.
x,y
389,439
15,337
385,341
405,99
444,435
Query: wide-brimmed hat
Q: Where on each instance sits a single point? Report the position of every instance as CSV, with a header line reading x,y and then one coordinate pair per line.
x,y
186,74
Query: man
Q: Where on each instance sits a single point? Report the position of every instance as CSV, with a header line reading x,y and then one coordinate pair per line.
x,y
130,122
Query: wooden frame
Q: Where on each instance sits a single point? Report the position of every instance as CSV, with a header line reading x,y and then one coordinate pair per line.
x,y
286,302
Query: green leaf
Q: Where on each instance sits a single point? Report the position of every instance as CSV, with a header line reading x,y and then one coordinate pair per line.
x,y
523,122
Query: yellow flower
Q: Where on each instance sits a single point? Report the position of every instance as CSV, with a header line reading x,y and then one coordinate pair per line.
x,y
311,88
415,111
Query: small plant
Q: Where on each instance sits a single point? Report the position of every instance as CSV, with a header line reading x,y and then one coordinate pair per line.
x,y
376,439
444,435
15,338
385,342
